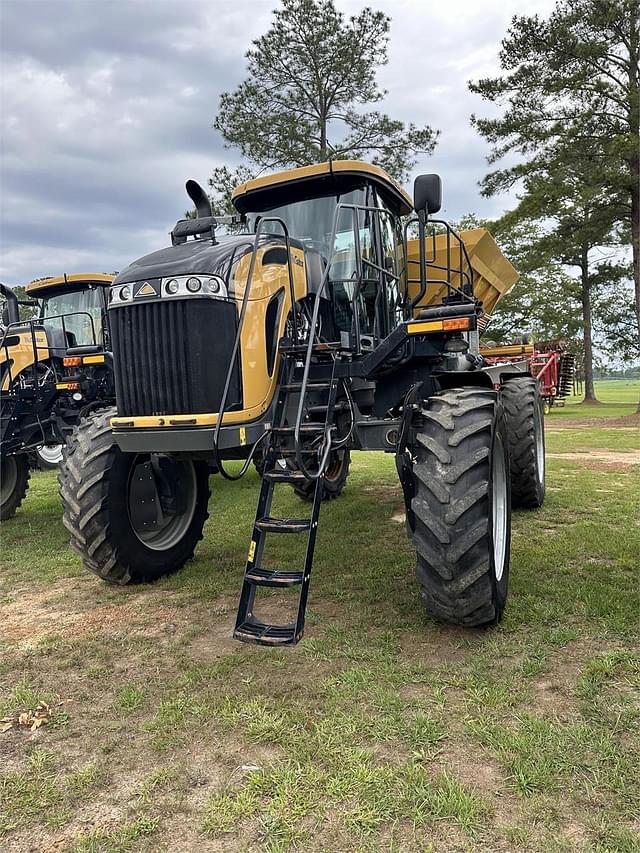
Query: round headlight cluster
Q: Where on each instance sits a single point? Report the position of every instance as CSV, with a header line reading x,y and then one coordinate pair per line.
x,y
213,285
125,292
193,284
172,286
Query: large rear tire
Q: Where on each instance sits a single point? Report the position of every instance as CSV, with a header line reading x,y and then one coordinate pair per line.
x,y
523,408
334,481
14,483
461,507
132,517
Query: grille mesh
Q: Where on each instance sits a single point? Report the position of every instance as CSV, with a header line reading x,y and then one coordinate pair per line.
x,y
171,356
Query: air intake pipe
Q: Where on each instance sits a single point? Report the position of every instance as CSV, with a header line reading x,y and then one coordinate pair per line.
x,y
200,199
12,310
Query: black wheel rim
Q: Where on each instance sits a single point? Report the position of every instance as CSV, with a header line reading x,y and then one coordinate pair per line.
x,y
162,495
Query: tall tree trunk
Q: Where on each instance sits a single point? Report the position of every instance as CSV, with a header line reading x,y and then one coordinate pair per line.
x,y
635,239
634,126
635,235
585,295
323,139
635,244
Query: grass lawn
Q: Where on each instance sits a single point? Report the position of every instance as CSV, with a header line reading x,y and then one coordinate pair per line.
x,y
617,398
381,730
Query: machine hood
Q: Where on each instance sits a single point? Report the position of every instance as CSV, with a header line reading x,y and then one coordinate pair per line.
x,y
196,257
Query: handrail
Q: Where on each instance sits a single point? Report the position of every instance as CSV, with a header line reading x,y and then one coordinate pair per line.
x,y
32,323
254,245
465,277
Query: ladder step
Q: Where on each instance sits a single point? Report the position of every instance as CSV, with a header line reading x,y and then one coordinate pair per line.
x,y
273,577
315,427
290,451
317,349
280,475
252,631
269,524
311,386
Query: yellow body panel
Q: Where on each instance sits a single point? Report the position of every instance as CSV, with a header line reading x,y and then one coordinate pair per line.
x,y
318,170
494,275
21,354
37,288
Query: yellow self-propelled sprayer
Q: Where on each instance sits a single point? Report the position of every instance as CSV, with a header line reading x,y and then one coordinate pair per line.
x,y
320,330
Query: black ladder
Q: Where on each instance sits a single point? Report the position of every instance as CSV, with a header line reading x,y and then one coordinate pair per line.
x,y
282,446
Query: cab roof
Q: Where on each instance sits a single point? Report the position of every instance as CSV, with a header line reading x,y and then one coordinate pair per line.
x,y
71,281
320,179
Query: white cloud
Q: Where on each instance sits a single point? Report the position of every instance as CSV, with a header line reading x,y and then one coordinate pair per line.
x,y
107,109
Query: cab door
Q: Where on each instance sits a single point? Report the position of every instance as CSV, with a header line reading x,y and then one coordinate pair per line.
x,y
390,260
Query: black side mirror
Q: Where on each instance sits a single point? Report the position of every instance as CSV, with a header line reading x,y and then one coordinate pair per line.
x,y
427,193
5,316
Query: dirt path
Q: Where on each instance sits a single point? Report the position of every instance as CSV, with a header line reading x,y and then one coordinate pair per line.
x,y
617,459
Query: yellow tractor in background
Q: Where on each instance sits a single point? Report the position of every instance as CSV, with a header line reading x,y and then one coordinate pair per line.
x,y
54,368
344,318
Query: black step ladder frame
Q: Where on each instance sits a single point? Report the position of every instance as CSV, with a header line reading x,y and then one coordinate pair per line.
x,y
248,628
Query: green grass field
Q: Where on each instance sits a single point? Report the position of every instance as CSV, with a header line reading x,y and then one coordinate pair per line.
x,y
617,398
381,730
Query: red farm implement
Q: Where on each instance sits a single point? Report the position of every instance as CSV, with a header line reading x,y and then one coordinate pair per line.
x,y
552,365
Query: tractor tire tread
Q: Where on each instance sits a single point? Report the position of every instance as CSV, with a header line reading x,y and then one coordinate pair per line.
x,y
13,503
451,507
520,397
83,481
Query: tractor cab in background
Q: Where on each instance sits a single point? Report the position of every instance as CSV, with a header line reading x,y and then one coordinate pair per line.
x,y
53,368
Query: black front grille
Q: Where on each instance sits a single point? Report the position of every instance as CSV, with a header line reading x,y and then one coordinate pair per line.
x,y
172,356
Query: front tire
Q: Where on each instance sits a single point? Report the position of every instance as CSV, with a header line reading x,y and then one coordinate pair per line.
x,y
14,483
462,508
132,517
523,408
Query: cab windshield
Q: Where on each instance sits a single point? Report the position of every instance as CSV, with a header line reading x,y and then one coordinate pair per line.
x,y
356,279
310,221
84,309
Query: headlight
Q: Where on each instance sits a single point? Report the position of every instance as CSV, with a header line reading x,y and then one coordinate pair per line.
x,y
194,284
172,286
213,285
125,292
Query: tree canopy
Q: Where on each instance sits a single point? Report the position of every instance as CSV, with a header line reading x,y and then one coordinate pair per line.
x,y
569,92
310,79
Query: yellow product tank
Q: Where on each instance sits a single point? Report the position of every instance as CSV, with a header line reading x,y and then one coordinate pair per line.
x,y
494,276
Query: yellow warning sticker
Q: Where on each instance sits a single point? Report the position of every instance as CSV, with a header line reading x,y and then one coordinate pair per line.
x,y
243,435
252,551
146,290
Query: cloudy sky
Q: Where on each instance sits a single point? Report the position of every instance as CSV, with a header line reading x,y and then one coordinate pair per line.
x,y
107,105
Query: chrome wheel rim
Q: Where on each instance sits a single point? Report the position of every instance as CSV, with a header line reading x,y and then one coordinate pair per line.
x,y
152,521
9,476
51,454
499,507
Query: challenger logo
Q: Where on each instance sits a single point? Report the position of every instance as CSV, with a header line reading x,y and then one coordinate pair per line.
x,y
147,289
